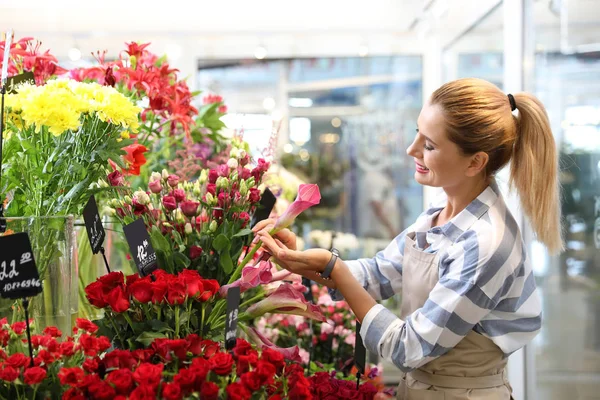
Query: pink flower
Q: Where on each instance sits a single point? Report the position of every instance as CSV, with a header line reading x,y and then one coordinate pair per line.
x,y
286,300
173,180
289,353
212,176
195,252
244,217
116,178
179,194
223,170
155,186
189,208
169,202
252,276
308,196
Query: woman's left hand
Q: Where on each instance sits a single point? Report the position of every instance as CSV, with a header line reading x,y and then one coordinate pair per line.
x,y
298,262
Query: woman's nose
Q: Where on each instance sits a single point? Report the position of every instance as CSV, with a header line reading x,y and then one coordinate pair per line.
x,y
412,150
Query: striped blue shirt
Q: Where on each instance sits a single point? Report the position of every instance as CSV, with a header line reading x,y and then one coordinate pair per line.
x,y
485,284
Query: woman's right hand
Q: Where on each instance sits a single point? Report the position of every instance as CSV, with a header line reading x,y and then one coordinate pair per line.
x,y
285,236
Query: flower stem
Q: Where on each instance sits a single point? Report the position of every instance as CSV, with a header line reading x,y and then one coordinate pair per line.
x,y
250,301
177,321
238,271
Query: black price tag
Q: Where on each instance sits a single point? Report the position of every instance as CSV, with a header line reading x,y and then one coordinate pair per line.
x,y
14,81
18,274
233,306
264,208
141,249
360,353
93,225
308,294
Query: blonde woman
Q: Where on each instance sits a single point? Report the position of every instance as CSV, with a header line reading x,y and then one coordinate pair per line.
x,y
468,291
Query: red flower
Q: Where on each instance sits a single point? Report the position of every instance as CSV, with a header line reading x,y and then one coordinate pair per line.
x,y
52,331
210,391
244,362
172,391
73,394
44,356
237,391
143,392
165,347
116,178
101,390
90,365
66,349
210,288
212,176
201,368
300,392
211,188
86,325
148,374
169,202
18,327
119,359
134,158
17,360
34,375
189,208
195,252
118,300
159,290
141,290
89,344
244,217
265,370
121,379
179,194
273,357
210,348
254,196
135,49
176,292
155,186
251,381
221,363
186,379
192,281
9,373
242,348
95,294
103,343
70,376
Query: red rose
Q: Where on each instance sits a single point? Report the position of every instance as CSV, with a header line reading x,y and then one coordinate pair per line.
x,y
121,379
210,348
89,344
266,371
70,376
103,343
179,194
237,391
9,373
143,392
86,325
171,391
164,348
210,391
192,281
300,392
201,368
141,290
46,357
195,252
34,375
66,349
212,176
189,208
119,359
368,391
159,290
52,331
142,355
186,380
176,292
90,365
254,196
148,374
118,300
273,357
17,360
211,287
169,202
18,327
173,180
276,397
221,363
211,188
242,347
73,394
134,158
111,280
115,178
244,362
194,344
101,390
251,381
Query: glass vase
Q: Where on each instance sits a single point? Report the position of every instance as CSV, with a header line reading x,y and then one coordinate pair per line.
x,y
54,249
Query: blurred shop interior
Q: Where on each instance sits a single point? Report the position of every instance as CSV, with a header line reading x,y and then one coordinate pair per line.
x,y
339,86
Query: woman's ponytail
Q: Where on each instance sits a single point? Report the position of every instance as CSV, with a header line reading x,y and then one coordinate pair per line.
x,y
534,171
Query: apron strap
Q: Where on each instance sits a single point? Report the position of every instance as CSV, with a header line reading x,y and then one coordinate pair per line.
x,y
459,382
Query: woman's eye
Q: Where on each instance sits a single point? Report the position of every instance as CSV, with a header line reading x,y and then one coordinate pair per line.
x,y
426,147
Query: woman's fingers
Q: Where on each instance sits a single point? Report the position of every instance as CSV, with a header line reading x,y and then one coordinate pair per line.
x,y
270,244
263,224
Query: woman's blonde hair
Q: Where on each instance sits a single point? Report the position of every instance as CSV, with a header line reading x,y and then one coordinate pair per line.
x,y
479,118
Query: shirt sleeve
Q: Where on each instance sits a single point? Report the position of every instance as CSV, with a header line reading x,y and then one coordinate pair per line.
x,y
381,275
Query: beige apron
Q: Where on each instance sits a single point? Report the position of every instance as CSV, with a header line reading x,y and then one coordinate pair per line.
x,y
473,369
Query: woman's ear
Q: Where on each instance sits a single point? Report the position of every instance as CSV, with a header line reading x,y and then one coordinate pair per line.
x,y
478,163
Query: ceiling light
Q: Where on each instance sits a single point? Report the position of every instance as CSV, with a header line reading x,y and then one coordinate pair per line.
x,y
363,51
260,52
269,103
74,54
288,147
300,102
336,122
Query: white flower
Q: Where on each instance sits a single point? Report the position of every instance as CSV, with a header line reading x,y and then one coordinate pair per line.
x,y
165,174
156,176
141,197
188,228
232,163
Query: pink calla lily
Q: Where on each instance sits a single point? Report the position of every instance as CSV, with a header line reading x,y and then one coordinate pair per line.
x,y
308,196
286,300
252,276
289,353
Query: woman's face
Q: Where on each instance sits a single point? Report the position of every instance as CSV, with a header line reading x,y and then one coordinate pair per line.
x,y
438,161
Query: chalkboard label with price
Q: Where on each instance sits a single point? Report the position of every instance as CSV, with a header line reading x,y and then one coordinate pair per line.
x,y
141,249
233,306
18,274
93,225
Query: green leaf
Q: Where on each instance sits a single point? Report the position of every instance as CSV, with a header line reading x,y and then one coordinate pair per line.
x,y
221,242
75,189
243,232
180,261
159,242
226,262
160,326
146,338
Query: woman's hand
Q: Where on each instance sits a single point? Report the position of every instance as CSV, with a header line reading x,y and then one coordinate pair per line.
x,y
285,236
